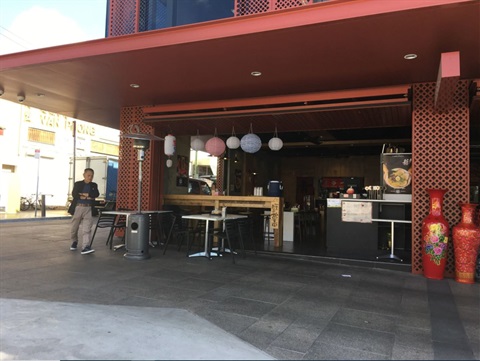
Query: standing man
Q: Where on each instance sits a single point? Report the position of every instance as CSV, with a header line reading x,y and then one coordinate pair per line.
x,y
84,193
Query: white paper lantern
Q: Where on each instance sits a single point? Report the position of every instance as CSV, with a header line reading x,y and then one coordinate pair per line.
x,y
251,143
215,146
197,144
233,142
275,143
170,145
169,163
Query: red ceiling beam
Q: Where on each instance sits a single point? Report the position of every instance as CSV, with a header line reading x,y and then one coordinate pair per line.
x,y
285,99
447,80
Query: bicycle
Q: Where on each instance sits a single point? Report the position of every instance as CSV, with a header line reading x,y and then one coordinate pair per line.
x,y
29,202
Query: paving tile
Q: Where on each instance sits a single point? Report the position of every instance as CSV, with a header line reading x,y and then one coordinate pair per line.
x,y
243,306
370,304
230,322
196,284
452,351
475,346
420,320
380,293
272,292
336,290
470,318
140,301
283,354
329,351
413,337
380,343
296,338
402,352
366,320
415,301
316,308
262,333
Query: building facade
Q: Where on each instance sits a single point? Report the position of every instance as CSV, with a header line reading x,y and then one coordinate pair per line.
x,y
37,149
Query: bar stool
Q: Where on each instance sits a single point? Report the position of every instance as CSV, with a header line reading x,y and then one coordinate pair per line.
x,y
267,233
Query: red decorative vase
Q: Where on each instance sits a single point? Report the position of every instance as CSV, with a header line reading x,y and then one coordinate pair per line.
x,y
435,233
466,240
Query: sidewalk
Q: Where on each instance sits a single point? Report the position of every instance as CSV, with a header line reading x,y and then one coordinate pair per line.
x,y
59,304
31,216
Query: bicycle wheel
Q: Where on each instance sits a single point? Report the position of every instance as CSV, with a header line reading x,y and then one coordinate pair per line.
x,y
24,204
38,203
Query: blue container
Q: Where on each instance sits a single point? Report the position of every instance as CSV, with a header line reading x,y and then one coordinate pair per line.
x,y
275,189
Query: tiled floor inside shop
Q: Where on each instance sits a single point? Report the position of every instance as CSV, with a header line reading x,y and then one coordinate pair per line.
x,y
288,307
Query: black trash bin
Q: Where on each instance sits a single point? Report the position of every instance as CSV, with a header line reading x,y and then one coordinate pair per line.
x,y
136,237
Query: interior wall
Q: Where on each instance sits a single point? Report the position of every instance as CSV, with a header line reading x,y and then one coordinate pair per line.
x,y
316,167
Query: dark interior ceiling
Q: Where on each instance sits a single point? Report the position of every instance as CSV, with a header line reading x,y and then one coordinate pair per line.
x,y
325,54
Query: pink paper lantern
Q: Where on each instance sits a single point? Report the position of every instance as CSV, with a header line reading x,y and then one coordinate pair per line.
x,y
215,146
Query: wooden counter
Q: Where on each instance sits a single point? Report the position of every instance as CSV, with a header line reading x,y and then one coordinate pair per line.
x,y
275,204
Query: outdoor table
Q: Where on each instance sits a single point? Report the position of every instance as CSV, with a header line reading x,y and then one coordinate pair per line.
x,y
209,217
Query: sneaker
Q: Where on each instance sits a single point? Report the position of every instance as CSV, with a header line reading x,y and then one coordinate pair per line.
x,y
87,250
73,247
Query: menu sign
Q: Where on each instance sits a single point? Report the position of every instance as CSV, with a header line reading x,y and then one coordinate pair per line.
x,y
397,173
360,212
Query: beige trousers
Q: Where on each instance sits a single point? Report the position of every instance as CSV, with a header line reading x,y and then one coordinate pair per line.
x,y
82,225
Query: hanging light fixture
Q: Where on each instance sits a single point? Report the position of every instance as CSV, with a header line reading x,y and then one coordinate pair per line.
x,y
275,143
215,146
197,143
251,143
233,142
170,145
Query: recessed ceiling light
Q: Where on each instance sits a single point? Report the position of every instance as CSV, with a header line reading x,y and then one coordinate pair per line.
x,y
135,86
410,56
256,73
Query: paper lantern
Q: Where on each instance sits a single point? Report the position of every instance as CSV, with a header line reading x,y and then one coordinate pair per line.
x,y
275,143
169,163
197,144
250,142
233,142
215,146
170,145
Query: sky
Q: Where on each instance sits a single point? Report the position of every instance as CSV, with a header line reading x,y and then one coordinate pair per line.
x,y
34,24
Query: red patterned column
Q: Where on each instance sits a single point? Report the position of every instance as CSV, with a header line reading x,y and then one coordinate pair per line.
x,y
440,152
220,174
127,189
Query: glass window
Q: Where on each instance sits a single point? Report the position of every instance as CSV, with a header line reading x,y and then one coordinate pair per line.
x,y
159,14
189,12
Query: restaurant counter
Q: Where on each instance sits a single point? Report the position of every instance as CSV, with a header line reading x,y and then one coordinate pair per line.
x,y
274,204
368,238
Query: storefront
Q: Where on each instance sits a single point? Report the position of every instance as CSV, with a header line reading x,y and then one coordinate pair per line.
x,y
253,75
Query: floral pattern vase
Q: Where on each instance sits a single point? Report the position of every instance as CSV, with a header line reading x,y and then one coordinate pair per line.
x,y
435,232
466,240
